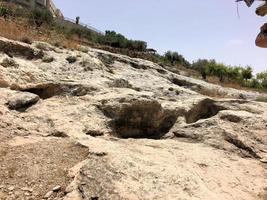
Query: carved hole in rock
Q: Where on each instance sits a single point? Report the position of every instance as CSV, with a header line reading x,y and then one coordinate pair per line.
x,y
45,91
203,110
15,49
181,83
141,119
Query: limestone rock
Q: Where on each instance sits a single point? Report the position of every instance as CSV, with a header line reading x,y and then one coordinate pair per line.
x,y
22,101
138,130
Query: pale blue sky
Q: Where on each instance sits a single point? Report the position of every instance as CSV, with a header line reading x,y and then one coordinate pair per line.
x,y
196,29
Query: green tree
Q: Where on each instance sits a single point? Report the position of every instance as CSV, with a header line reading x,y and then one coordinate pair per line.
x,y
247,73
262,77
175,58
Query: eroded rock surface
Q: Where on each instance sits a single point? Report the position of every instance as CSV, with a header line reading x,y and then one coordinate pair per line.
x,y
112,127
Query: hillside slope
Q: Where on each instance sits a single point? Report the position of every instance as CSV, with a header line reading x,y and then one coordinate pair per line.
x,y
107,126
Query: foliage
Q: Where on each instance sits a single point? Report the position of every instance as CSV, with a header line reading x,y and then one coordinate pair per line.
x,y
40,17
175,58
48,59
117,40
5,12
247,73
222,71
262,77
9,62
26,40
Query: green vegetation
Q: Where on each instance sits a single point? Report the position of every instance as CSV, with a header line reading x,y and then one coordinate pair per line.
x,y
175,58
39,17
113,39
5,12
9,62
240,76
26,40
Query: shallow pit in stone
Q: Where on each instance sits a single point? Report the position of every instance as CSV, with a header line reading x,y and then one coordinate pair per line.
x,y
205,109
45,91
140,119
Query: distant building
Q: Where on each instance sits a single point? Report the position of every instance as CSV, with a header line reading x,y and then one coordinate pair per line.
x,y
39,4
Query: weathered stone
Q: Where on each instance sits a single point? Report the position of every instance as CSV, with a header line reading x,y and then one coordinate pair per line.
x,y
48,194
56,188
137,129
22,101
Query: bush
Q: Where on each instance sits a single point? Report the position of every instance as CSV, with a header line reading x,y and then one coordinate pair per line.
x,y
247,73
39,17
83,49
222,71
175,58
116,40
262,77
48,59
8,62
42,46
26,40
5,12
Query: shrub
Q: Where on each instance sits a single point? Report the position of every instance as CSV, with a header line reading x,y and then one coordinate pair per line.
x,y
222,71
48,59
175,58
117,40
8,62
83,49
5,12
26,40
42,46
106,59
247,73
71,59
57,44
262,77
39,17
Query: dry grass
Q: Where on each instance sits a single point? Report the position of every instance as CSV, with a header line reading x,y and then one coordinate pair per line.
x,y
18,29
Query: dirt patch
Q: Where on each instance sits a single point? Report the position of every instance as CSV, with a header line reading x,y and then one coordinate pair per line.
x,y
37,166
98,175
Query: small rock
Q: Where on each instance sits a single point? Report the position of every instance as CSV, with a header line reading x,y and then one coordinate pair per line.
x,y
22,101
27,189
11,188
48,194
57,188
264,161
27,194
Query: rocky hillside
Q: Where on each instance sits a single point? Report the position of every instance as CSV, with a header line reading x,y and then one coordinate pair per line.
x,y
90,124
